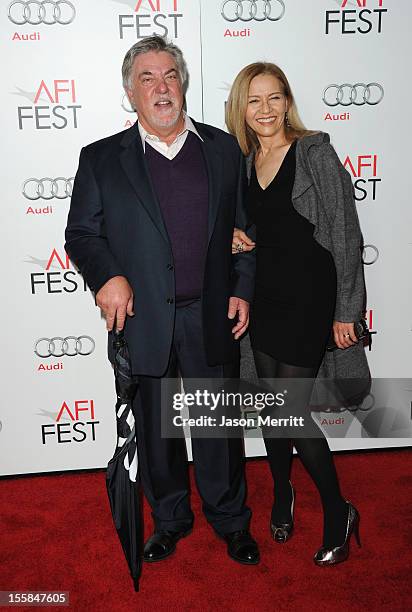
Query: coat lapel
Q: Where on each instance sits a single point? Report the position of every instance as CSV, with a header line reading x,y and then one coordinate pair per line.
x,y
214,166
134,164
303,177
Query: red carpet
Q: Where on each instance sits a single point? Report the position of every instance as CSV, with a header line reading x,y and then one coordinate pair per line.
x,y
57,534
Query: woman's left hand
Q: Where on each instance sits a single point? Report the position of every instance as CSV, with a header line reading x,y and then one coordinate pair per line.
x,y
344,334
241,242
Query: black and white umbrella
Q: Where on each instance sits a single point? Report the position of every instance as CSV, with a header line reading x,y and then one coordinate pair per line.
x,y
122,476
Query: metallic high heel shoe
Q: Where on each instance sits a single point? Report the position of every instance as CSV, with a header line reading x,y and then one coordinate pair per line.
x,y
281,532
338,554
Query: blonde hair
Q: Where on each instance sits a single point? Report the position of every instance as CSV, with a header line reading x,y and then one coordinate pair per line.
x,y
238,101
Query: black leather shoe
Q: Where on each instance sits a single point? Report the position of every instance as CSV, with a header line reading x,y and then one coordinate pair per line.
x,y
162,544
242,547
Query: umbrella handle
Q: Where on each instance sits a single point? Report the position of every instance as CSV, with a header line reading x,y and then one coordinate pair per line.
x,y
118,337
118,332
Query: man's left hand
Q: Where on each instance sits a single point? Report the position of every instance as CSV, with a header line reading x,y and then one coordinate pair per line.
x,y
240,307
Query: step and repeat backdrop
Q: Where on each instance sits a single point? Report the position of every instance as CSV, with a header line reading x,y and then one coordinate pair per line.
x,y
347,62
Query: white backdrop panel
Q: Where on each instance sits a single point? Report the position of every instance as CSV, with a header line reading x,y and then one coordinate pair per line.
x,y
62,89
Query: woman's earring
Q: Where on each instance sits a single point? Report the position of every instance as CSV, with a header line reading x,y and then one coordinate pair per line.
x,y
287,120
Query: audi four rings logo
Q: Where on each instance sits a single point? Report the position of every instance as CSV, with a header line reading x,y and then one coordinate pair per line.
x,y
47,12
358,94
48,188
69,346
370,254
253,10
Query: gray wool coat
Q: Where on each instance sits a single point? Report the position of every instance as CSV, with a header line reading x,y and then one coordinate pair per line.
x,y
323,194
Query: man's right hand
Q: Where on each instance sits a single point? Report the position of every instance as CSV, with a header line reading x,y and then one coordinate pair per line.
x,y
115,299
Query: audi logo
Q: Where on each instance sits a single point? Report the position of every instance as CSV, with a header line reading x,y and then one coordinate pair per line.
x,y
126,106
47,12
48,188
253,10
69,346
358,94
370,254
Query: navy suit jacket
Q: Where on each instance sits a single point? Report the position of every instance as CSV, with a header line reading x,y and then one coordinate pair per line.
x,y
115,227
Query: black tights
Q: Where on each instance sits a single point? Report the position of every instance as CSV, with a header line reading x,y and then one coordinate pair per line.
x,y
314,454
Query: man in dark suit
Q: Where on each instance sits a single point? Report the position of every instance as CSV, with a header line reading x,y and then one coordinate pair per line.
x,y
150,228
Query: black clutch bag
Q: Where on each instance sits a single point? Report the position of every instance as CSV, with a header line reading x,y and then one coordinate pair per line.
x,y
361,332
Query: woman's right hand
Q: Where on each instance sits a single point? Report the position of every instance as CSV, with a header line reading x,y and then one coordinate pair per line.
x,y
241,243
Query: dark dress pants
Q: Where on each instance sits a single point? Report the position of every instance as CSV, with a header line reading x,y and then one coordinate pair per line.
x,y
218,463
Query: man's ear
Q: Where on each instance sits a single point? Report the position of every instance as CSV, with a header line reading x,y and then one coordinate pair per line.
x,y
129,94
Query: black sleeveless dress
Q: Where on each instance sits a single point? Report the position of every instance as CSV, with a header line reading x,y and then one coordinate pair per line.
x,y
295,288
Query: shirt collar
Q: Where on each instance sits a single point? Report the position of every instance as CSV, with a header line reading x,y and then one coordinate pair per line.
x,y
189,127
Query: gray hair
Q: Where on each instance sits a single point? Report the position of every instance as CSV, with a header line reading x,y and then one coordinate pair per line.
x,y
154,43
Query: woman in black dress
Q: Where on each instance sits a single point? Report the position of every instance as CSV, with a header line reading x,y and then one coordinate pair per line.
x,y
292,314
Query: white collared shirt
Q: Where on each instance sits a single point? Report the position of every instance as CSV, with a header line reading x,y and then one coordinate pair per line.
x,y
161,147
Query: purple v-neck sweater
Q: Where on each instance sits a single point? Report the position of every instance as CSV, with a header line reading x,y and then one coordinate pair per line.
x,y
181,186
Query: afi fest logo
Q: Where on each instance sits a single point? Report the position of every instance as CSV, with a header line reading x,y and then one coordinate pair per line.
x,y
54,106
247,13
364,171
41,191
35,13
151,17
356,17
58,275
74,422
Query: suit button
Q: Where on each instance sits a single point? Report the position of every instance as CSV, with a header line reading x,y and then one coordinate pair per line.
x,y
170,267
170,300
